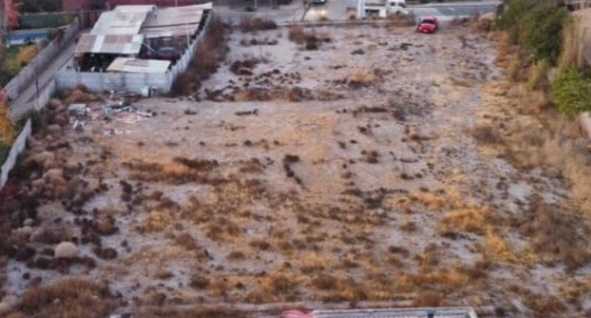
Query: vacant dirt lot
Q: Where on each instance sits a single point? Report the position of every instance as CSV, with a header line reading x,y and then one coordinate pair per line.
x,y
349,167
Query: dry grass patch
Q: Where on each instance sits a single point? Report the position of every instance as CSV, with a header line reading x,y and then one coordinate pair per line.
x,y
72,298
558,237
253,24
471,220
189,313
309,39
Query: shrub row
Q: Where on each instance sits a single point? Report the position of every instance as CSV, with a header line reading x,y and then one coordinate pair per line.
x,y
537,25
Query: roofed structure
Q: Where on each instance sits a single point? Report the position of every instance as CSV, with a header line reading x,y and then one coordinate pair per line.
x,y
125,44
122,20
131,65
174,21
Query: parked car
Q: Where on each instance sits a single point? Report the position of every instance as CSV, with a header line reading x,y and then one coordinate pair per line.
x,y
428,25
318,2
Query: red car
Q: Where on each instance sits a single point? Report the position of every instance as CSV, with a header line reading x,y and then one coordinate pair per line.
x,y
428,25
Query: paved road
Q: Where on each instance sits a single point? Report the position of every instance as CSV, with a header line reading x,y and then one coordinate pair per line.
x,y
340,9
449,11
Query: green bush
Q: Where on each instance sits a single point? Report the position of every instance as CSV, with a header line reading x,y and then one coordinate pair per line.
x,y
571,91
543,31
537,25
513,16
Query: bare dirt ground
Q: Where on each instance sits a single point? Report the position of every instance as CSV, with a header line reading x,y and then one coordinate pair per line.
x,y
358,171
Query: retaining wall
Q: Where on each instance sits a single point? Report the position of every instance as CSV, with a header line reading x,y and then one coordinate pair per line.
x,y
17,148
28,74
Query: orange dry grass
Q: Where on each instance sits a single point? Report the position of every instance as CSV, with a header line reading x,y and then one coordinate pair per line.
x,y
6,128
74,298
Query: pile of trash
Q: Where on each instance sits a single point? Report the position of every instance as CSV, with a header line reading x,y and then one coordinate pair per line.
x,y
118,108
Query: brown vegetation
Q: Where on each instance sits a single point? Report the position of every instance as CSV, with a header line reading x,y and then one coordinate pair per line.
x,y
253,24
74,298
209,54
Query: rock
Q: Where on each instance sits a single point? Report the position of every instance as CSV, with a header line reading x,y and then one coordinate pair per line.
x,y
22,234
106,253
7,304
53,129
105,225
55,176
50,234
44,263
488,16
25,253
66,250
43,159
55,104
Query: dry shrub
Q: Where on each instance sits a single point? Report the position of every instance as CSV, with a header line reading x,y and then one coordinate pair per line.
x,y
80,94
311,40
440,279
486,135
275,287
27,54
504,49
325,282
544,305
195,312
538,75
7,132
252,24
472,220
557,237
297,34
516,69
208,56
349,290
74,298
362,78
497,248
313,263
429,299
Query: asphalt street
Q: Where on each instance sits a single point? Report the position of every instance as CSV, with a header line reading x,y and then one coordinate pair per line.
x,y
342,9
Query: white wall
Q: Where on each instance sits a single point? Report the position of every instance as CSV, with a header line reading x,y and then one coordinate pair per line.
x,y
17,148
28,74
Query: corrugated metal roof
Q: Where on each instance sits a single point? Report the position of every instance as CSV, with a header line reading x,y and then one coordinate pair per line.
x,y
122,20
175,21
109,44
130,65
